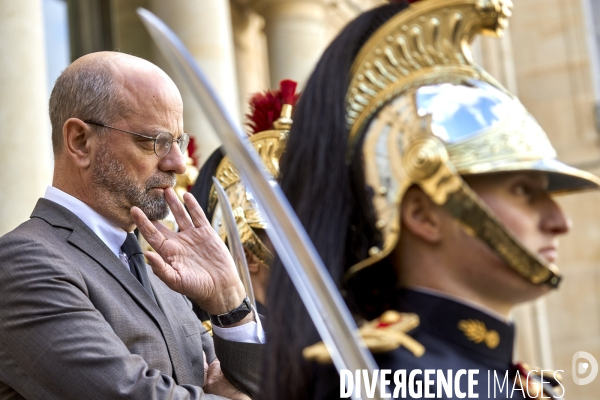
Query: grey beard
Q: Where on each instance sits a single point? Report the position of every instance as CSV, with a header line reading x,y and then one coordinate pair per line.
x,y
110,175
153,205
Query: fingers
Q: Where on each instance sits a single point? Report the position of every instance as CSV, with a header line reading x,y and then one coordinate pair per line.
x,y
161,269
164,230
196,212
148,230
181,216
214,373
138,216
205,368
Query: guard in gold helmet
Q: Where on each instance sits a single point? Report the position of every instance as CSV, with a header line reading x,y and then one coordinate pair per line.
x,y
427,189
269,121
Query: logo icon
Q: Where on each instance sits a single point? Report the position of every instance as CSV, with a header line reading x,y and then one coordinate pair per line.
x,y
581,367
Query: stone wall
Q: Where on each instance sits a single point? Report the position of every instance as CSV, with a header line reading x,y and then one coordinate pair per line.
x,y
554,78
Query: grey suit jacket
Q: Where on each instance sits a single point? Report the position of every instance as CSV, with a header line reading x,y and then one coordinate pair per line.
x,y
76,324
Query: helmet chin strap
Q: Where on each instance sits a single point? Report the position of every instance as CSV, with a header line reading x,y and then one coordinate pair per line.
x,y
426,164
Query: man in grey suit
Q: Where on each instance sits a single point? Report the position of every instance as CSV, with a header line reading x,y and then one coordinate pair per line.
x,y
80,316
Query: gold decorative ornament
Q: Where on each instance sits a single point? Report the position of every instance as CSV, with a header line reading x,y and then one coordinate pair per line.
x,y
187,179
270,145
476,332
208,326
420,111
383,334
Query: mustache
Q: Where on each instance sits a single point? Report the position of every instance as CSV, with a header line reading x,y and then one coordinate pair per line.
x,y
161,179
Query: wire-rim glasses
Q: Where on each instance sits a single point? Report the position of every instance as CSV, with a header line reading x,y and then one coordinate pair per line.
x,y
162,142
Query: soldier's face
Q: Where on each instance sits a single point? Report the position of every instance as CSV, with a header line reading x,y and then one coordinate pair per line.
x,y
521,201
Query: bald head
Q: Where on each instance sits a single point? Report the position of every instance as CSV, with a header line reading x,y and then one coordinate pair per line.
x,y
101,87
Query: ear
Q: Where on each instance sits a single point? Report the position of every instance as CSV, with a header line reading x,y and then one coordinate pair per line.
x,y
253,261
421,216
78,138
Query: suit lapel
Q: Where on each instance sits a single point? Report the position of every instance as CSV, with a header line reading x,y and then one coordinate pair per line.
x,y
88,242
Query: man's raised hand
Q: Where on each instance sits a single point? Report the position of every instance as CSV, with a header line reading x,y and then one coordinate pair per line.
x,y
193,261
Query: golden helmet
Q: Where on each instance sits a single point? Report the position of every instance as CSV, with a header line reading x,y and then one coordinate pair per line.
x,y
420,111
270,122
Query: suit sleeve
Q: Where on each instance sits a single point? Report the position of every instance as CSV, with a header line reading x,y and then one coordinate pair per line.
x,y
54,344
241,363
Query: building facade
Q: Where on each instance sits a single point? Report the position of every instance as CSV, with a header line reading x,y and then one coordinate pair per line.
x,y
549,58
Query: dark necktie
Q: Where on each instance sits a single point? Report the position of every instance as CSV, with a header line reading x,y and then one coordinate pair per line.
x,y
137,264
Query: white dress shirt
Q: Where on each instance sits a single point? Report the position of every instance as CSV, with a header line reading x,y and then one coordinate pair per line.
x,y
114,237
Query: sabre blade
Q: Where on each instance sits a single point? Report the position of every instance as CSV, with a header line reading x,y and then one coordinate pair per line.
x,y
235,242
317,290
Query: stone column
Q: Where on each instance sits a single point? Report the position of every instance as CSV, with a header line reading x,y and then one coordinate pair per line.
x,y
250,53
128,32
205,28
495,55
296,37
25,150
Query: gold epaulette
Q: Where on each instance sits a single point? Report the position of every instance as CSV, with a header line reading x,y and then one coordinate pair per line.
x,y
383,334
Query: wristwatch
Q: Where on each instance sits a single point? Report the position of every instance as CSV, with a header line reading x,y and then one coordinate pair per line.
x,y
233,316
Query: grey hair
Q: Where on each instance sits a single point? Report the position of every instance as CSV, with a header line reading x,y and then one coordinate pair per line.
x,y
86,92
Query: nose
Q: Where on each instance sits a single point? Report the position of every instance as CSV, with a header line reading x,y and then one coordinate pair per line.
x,y
174,161
554,220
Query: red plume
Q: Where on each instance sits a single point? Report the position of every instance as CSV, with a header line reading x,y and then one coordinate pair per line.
x,y
192,147
265,108
287,88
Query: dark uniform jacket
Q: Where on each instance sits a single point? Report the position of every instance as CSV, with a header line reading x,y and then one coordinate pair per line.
x,y
458,340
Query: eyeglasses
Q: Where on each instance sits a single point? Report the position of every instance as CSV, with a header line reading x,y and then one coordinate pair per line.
x,y
162,142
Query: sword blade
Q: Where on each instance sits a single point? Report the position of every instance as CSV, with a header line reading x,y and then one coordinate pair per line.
x,y
235,242
310,277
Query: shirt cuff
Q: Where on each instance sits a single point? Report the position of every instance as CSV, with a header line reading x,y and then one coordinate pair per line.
x,y
251,332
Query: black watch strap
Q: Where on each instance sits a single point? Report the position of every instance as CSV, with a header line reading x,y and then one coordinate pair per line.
x,y
234,316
